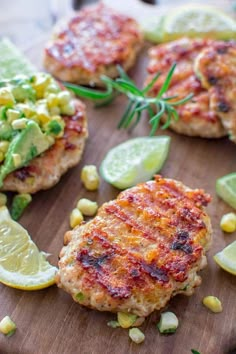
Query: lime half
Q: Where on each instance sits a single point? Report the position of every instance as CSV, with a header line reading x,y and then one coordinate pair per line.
x,y
22,265
134,161
226,189
226,259
199,21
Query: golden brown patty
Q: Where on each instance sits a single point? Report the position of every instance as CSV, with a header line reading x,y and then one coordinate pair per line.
x,y
92,43
46,170
216,68
196,117
140,249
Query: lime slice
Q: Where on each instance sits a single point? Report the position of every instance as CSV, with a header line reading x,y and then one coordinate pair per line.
x,y
12,61
153,29
226,259
199,21
134,161
22,266
226,189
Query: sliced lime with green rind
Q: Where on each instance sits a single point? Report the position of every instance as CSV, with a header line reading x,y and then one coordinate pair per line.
x,y
226,189
12,61
226,258
198,21
134,161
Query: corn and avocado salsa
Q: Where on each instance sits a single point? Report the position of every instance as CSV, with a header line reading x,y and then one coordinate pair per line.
x,y
31,109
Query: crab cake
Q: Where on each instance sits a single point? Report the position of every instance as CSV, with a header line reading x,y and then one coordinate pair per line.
x,y
216,68
140,250
196,117
43,129
45,171
92,43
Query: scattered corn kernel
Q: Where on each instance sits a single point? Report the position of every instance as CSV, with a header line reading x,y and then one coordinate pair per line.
x,y
168,322
76,218
6,96
3,199
139,321
54,111
16,159
7,326
64,97
136,335
228,222
90,177
87,207
4,144
126,319
19,123
52,87
212,303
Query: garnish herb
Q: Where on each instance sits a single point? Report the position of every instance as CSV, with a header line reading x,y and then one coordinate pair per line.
x,y
139,100
194,351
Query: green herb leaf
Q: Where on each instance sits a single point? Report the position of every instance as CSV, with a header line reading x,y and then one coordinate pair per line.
x,y
139,100
195,351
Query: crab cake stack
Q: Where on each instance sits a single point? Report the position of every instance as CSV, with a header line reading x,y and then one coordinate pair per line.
x,y
140,250
92,43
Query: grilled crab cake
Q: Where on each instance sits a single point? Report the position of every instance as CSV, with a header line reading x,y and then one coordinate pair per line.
x,y
196,117
92,43
140,250
44,130
216,68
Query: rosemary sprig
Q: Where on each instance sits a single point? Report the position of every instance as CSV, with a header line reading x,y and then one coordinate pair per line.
x,y
139,100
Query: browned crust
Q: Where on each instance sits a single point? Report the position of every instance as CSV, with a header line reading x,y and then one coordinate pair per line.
x,y
196,117
99,38
140,249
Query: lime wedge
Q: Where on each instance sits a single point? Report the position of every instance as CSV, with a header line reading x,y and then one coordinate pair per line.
x,y
12,61
226,189
153,29
199,21
22,266
226,259
134,161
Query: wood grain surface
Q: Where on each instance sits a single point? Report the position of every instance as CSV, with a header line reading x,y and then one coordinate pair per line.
x,y
49,322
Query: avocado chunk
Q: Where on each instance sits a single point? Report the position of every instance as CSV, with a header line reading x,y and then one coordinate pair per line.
x,y
22,91
26,145
6,131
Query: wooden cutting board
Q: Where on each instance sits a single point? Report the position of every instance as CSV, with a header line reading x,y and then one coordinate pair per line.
x,y
49,322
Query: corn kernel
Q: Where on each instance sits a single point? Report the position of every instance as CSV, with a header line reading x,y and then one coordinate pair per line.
x,y
64,97
16,160
136,335
68,108
76,218
54,111
40,84
7,326
52,87
87,207
27,109
3,199
52,100
212,303
19,123
4,145
6,96
126,319
228,222
90,177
